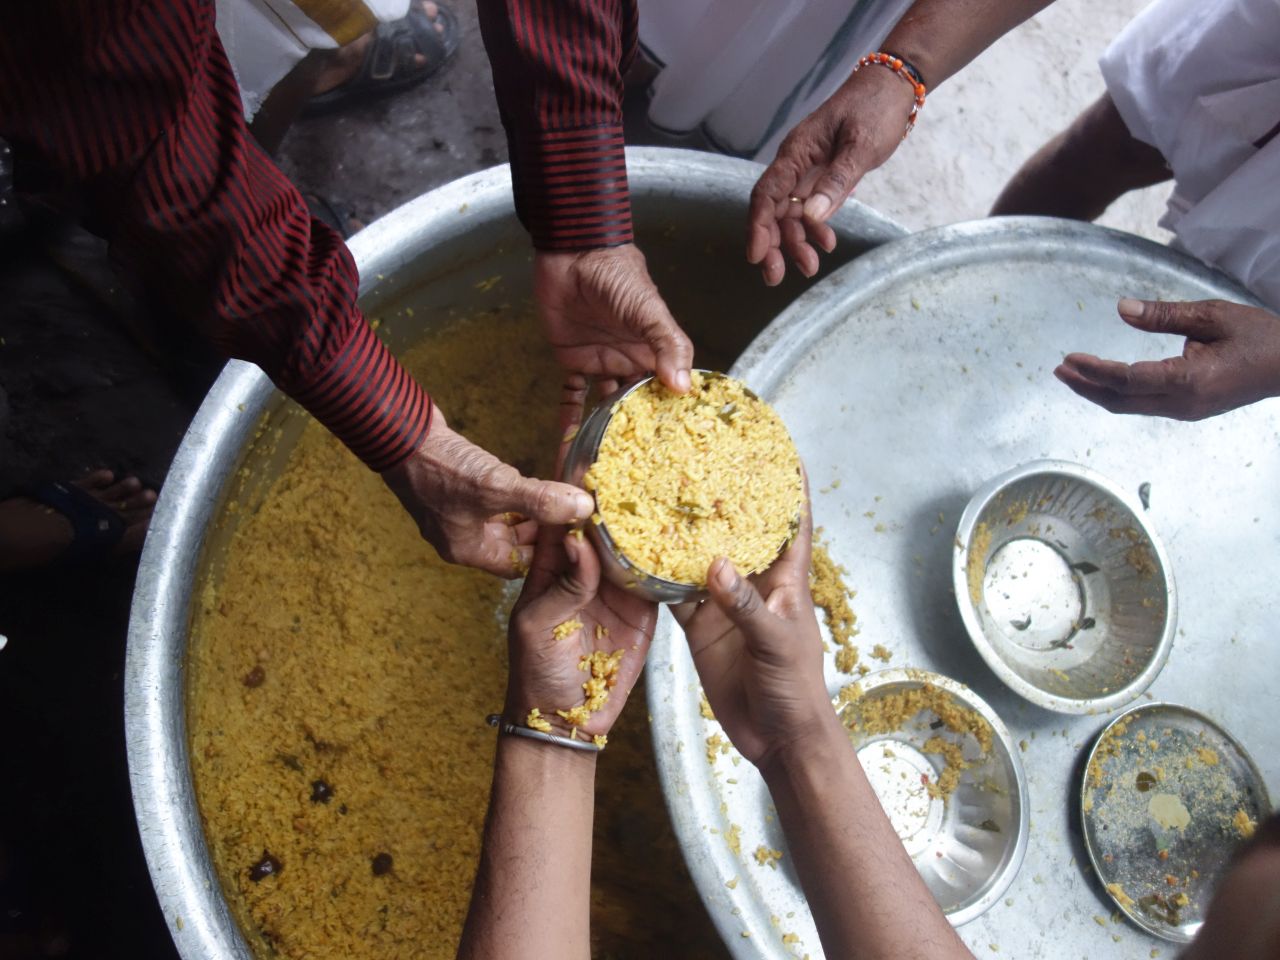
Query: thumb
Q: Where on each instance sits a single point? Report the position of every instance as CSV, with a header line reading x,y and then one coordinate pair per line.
x,y
548,501
673,359
835,184
736,597
1196,319
672,349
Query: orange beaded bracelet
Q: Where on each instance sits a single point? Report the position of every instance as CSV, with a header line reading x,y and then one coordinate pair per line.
x,y
907,72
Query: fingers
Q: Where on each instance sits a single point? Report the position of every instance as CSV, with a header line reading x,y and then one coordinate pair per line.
x,y
548,501
777,222
735,596
775,186
792,568
674,352
1197,319
820,234
505,548
832,189
1132,379
551,601
683,612
141,500
672,349
795,245
1112,399
120,491
774,268
573,401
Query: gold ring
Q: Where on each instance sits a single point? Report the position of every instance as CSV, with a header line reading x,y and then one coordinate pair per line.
x,y
796,200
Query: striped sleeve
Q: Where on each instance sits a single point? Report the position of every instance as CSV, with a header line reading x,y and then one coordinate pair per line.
x,y
557,71
131,109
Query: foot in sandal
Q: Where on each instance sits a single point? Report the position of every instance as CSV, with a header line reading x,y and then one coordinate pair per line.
x,y
94,518
390,58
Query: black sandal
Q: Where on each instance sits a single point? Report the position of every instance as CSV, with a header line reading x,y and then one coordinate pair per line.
x,y
96,529
389,65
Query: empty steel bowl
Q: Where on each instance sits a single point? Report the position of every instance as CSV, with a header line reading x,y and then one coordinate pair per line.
x,y
968,845
1064,588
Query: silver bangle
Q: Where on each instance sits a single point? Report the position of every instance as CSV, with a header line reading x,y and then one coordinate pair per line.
x,y
506,726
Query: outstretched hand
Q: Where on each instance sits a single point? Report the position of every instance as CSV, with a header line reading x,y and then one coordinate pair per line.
x,y
1231,358
756,646
564,590
818,165
604,317
476,510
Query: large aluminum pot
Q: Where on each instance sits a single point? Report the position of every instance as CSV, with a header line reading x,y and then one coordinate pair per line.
x,y
690,211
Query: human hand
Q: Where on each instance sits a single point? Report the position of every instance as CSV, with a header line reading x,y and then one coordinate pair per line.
x,y
1231,358
564,586
819,163
604,317
758,651
475,509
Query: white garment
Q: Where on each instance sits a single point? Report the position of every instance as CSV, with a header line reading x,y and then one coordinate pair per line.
x,y
1199,80
746,71
265,39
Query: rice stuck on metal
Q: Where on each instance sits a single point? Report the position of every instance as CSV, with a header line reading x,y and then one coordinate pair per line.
x,y
680,480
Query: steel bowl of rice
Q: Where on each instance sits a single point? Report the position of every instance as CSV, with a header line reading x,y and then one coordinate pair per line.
x,y
681,479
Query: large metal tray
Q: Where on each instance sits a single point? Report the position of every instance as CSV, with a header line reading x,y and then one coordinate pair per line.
x,y
912,376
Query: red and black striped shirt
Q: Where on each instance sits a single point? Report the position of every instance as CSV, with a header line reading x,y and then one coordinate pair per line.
x,y
558,68
130,110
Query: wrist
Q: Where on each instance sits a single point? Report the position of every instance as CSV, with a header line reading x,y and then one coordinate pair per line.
x,y
427,450
878,104
564,259
812,749
519,708
536,761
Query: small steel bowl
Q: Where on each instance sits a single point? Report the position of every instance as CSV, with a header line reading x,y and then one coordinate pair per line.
x,y
582,453
1064,588
969,847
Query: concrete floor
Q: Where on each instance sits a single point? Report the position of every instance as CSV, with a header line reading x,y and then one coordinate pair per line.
x,y
979,127
974,132
72,880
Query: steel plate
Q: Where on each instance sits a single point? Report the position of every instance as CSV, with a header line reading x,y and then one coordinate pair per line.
x,y
912,377
1149,766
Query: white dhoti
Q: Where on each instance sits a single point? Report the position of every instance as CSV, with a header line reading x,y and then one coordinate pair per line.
x,y
745,72
265,39
1199,80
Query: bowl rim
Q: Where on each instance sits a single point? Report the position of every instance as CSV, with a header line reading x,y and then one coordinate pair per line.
x,y
1002,879
973,625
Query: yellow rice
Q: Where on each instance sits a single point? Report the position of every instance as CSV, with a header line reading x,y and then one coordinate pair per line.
x,y
378,662
680,480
